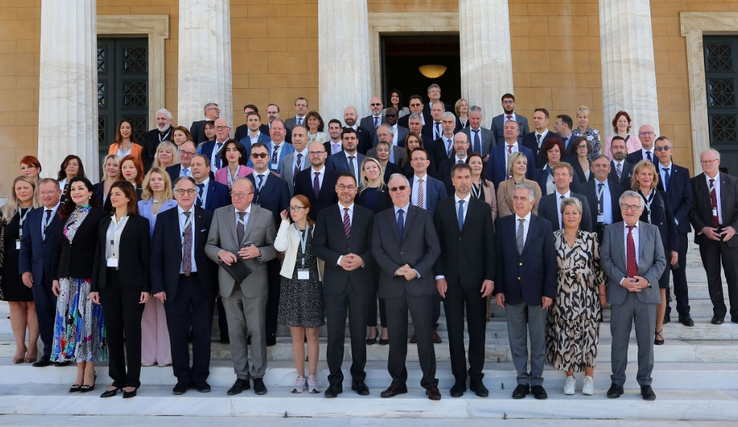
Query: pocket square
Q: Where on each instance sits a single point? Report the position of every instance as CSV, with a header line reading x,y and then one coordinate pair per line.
x,y
203,230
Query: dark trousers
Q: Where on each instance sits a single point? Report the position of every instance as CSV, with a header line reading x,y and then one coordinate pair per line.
x,y
272,308
436,310
122,312
421,308
190,309
222,322
372,310
681,292
456,298
712,253
336,307
45,301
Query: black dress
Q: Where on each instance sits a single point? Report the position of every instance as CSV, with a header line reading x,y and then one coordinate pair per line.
x,y
301,301
12,286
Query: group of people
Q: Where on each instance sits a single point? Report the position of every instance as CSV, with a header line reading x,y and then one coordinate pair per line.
x,y
393,213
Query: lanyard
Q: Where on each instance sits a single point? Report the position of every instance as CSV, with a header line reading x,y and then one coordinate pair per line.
x,y
165,136
115,238
231,178
648,202
600,202
476,190
23,217
303,241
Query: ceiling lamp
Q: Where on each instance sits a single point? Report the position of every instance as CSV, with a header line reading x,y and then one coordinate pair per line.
x,y
432,71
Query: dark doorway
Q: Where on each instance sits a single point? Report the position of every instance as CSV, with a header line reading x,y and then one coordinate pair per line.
x,y
721,72
122,88
403,54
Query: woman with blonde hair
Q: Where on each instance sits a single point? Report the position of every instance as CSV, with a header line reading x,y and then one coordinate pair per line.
x,y
111,171
462,114
167,155
23,198
517,166
592,135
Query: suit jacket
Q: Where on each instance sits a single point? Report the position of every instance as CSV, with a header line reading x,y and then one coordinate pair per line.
x,y
530,275
384,201
401,135
264,138
624,180
218,195
166,253
365,140
589,189
151,141
368,124
529,141
651,262
287,168
505,195
469,254
637,156
485,137
327,194
286,149
435,191
701,213
197,130
439,153
37,254
679,194
419,248
497,165
329,243
292,121
548,209
444,174
76,258
541,177
274,195
497,128
241,132
339,163
222,236
174,172
133,259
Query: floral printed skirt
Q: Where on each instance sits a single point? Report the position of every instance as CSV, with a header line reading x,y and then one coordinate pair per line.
x,y
79,329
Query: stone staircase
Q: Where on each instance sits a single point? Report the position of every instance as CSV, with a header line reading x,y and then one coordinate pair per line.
x,y
695,379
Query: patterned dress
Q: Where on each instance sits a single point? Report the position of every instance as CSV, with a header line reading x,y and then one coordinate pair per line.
x,y
79,330
301,301
574,319
593,136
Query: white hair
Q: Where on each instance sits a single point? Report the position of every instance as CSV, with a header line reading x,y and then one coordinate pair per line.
x,y
526,186
165,112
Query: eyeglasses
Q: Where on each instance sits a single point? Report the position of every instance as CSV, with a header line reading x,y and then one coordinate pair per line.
x,y
187,153
508,102
296,208
239,194
222,127
346,187
400,188
581,146
633,208
259,155
663,148
646,133
375,104
315,153
390,115
300,105
182,192
707,162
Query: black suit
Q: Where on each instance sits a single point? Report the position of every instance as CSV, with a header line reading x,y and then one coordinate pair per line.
x,y
197,130
662,217
469,260
530,141
637,156
120,291
76,259
151,142
327,195
418,247
548,208
345,290
624,180
440,152
579,172
365,140
189,303
589,189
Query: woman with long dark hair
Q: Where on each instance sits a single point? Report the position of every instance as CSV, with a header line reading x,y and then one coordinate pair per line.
x,y
71,167
124,144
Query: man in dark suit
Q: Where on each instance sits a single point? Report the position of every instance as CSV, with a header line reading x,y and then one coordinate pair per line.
x,y
405,245
350,116
444,144
210,194
480,139
38,244
154,137
633,270
426,190
197,130
385,134
715,221
465,276
434,95
646,135
415,124
415,104
497,166
526,286
562,126
334,144
603,194
435,128
243,130
342,238
183,279
211,149
301,110
550,205
534,140
296,161
498,122
620,169
674,180
253,132
187,151
348,160
372,121
318,182
273,114
399,133
461,152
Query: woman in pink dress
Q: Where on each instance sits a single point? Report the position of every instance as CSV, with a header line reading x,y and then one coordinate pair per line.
x,y
621,125
234,155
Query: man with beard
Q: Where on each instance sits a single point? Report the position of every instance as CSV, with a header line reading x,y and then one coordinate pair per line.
x,y
365,138
154,137
620,168
498,122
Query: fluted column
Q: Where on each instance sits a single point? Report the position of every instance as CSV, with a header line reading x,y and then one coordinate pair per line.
x,y
628,64
68,85
343,57
204,73
486,59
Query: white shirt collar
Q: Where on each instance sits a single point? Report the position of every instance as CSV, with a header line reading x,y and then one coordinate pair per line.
x,y
180,211
350,207
457,159
320,171
716,178
465,199
567,194
404,209
518,218
625,225
661,167
424,177
248,210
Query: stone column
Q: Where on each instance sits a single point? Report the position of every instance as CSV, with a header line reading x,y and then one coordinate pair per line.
x,y
67,105
204,73
343,49
628,64
485,55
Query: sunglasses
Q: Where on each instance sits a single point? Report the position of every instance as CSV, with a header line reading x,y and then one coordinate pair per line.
x,y
400,188
259,155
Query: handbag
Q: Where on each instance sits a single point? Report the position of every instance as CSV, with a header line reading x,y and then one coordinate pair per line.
x,y
238,270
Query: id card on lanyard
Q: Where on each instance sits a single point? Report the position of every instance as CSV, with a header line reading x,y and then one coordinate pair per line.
x,y
648,203
20,229
302,272
113,260
600,203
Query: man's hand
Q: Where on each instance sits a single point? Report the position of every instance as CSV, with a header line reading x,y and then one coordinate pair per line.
x,y
161,296
95,297
546,302
249,252
487,287
711,233
728,233
442,287
55,288
641,282
351,262
500,299
674,258
27,278
227,257
402,270
410,274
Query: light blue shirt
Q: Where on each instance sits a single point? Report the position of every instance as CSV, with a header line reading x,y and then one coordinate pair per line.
x,y
606,202
182,223
204,191
662,174
51,218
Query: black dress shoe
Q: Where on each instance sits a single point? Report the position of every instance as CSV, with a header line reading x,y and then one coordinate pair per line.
x,y
259,387
393,391
333,390
521,391
360,388
686,320
479,389
539,392
717,320
75,388
383,342
433,393
414,339
667,318
647,393
110,393
180,388
130,394
202,386
60,364
458,390
271,341
239,386
615,391
42,363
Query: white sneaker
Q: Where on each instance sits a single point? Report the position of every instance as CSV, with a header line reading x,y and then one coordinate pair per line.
x,y
588,386
300,385
313,385
570,386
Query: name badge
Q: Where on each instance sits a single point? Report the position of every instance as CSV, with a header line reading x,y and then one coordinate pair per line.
x,y
303,274
600,218
17,244
113,262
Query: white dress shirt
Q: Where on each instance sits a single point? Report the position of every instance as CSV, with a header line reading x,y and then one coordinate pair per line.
x,y
255,138
606,202
716,184
645,156
112,237
351,221
303,161
204,191
543,137
321,175
466,204
558,205
416,186
51,218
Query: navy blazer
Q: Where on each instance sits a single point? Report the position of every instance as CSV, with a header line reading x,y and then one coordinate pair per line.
x,y
197,130
679,194
541,176
174,172
218,195
274,195
624,180
547,208
497,166
166,253
637,156
444,174
339,163
434,192
37,254
529,276
497,128
701,213
529,141
663,218
327,195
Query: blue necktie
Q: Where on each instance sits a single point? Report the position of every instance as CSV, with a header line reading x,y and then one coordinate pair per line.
x,y
461,214
648,154
667,177
200,187
400,222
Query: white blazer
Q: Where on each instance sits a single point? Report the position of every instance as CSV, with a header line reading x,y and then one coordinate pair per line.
x,y
287,241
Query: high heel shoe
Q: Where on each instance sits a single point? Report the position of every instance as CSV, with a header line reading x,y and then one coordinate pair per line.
x,y
31,359
19,359
86,388
657,334
75,388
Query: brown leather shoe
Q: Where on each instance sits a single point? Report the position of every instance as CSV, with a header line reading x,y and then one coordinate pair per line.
x,y
393,391
433,393
436,338
413,339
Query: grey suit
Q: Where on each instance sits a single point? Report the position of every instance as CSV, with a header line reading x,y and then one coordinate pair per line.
x,y
401,136
245,304
287,168
292,121
486,137
628,307
399,154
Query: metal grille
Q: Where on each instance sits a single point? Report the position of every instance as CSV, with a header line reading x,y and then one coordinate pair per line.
x,y
718,57
135,59
135,94
723,129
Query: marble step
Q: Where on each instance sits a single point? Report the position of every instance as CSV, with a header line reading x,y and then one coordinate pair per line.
x,y
280,403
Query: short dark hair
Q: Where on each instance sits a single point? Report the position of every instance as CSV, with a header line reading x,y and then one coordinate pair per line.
x,y
422,150
252,106
542,110
549,143
346,174
347,131
274,105
69,205
507,96
253,113
575,144
259,145
566,119
618,138
418,97
458,166
335,121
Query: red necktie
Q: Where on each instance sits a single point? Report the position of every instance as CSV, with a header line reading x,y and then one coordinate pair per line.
x,y
632,265
509,117
713,199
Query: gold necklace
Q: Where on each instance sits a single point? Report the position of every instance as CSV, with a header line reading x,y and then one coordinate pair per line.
x,y
570,234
